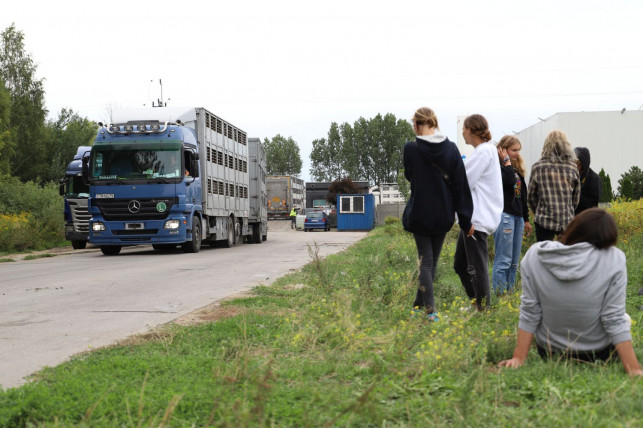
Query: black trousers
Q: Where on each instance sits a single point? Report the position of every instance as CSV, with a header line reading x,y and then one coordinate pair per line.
x,y
587,356
543,234
428,248
471,263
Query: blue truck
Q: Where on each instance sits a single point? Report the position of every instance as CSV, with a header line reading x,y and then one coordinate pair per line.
x,y
171,176
75,191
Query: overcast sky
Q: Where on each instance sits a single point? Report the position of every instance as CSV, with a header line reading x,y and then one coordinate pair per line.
x,y
293,67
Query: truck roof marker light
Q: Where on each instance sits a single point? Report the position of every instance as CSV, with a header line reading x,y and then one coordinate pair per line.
x,y
113,128
141,127
129,128
155,127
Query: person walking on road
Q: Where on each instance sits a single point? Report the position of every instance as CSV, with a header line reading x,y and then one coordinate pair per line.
x,y
439,190
293,218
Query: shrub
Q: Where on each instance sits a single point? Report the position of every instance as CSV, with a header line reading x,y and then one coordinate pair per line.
x,y
31,215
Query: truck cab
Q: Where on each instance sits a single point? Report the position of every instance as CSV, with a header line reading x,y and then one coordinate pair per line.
x,y
75,191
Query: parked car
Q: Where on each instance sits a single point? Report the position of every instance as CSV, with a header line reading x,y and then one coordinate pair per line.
x,y
316,220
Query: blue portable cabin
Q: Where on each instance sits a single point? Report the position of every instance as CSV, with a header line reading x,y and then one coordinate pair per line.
x,y
355,212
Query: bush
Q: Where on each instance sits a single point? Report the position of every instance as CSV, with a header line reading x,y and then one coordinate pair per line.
x,y
30,216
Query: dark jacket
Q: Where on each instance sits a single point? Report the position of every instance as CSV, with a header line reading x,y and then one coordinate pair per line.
x,y
435,199
591,185
514,190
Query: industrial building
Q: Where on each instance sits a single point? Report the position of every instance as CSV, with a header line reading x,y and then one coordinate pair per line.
x,y
614,139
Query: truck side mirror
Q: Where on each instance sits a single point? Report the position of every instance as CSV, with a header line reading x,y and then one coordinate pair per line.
x,y
61,187
86,169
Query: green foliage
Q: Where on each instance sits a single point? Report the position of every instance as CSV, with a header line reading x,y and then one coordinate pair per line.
x,y
282,156
27,113
630,186
64,136
341,186
30,216
606,190
403,185
370,150
344,350
6,141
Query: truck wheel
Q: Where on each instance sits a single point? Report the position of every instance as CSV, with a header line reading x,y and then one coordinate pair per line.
x,y
78,245
256,233
194,245
110,250
230,241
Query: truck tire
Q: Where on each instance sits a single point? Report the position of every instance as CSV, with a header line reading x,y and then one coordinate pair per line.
x,y
229,243
110,250
78,245
256,233
194,245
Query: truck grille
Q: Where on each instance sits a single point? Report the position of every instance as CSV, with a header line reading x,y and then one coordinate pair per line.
x,y
118,209
80,215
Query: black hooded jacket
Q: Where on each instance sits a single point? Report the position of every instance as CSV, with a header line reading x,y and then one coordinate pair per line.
x,y
590,189
435,199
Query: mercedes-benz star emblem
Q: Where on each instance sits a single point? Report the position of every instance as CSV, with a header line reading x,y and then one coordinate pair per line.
x,y
134,206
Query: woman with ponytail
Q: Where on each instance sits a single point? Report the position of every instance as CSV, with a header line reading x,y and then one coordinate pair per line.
x,y
471,261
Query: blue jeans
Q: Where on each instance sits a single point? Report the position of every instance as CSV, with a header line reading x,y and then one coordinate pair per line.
x,y
508,242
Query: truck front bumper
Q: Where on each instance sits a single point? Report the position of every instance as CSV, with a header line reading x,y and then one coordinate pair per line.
x,y
151,232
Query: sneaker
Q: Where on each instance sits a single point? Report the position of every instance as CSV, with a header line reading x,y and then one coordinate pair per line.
x,y
433,317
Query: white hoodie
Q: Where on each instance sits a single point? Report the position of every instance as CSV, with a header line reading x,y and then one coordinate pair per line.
x,y
574,296
485,182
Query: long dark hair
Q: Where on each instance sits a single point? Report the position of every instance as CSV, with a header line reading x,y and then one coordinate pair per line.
x,y
594,225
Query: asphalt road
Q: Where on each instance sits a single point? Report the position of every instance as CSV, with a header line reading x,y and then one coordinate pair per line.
x,y
52,308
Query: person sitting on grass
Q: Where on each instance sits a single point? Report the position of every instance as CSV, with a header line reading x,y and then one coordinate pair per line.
x,y
573,298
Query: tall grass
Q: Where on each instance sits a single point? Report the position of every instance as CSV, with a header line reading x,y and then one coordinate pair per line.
x,y
31,216
344,350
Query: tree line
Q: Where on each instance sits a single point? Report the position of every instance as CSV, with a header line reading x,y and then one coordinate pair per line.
x,y
33,148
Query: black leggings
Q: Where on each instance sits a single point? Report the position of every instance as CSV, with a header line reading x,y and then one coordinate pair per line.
x,y
586,356
429,248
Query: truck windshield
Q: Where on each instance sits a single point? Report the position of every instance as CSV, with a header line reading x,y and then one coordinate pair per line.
x,y
76,187
136,162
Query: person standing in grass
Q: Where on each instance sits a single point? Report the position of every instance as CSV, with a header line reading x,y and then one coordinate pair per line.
x,y
471,261
439,190
554,187
515,216
573,296
590,182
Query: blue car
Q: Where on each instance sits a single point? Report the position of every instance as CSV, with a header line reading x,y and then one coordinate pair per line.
x,y
316,220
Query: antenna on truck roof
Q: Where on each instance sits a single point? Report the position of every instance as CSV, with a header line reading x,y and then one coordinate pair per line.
x,y
159,101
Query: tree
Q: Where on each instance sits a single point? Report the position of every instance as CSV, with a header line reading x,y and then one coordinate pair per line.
x,y
282,156
606,189
27,115
63,136
340,186
6,140
370,150
630,185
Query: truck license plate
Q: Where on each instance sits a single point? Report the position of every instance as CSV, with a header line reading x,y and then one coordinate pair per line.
x,y
134,226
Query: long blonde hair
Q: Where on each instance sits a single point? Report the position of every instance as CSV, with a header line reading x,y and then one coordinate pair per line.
x,y
557,147
509,141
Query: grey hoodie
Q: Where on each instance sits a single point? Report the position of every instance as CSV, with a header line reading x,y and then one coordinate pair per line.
x,y
574,296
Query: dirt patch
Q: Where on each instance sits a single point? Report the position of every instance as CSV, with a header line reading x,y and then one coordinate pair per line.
x,y
213,311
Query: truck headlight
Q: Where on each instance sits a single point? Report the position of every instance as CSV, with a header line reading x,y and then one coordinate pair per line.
x,y
98,226
172,224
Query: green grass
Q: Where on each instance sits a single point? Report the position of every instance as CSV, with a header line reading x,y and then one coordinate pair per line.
x,y
342,351
38,256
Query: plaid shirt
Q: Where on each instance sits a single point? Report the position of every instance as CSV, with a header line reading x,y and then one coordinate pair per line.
x,y
554,192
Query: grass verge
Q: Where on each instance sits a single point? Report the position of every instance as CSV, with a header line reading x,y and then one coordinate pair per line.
x,y
343,350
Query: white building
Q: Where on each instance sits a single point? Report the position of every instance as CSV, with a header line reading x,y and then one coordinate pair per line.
x,y
614,139
388,194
